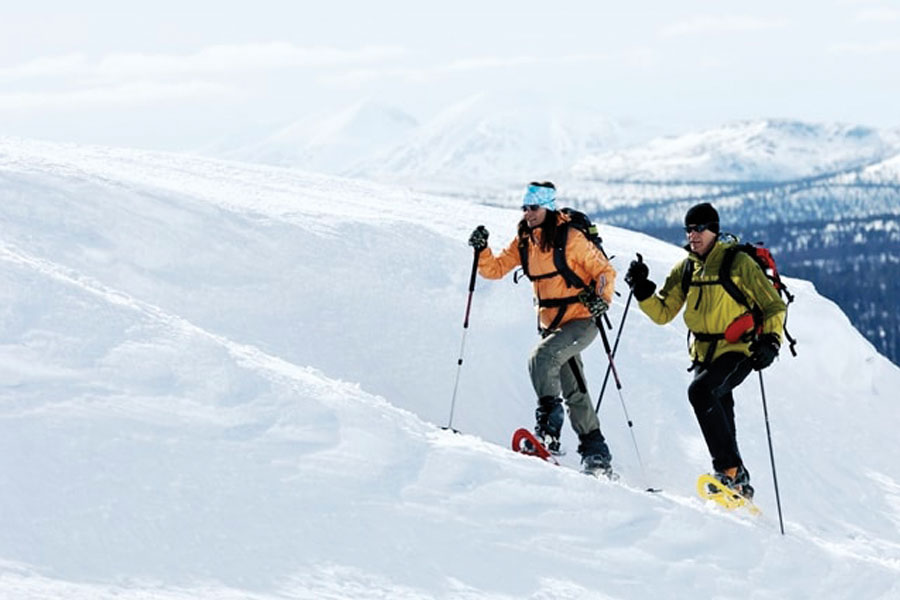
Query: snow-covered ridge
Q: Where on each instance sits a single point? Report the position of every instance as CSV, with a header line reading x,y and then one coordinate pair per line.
x,y
502,141
765,150
326,142
486,139
226,381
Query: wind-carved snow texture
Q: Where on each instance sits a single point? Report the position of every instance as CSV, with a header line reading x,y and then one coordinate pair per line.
x,y
226,381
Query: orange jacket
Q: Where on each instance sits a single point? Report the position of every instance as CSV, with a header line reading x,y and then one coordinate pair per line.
x,y
582,257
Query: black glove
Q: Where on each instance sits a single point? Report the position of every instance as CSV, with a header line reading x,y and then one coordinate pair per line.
x,y
594,303
479,238
637,273
763,350
636,278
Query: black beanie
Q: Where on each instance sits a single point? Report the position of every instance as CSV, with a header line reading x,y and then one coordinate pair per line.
x,y
703,214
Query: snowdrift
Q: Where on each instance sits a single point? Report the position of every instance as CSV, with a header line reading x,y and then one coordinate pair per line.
x,y
228,381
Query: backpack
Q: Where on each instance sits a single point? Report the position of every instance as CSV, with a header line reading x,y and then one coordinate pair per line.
x,y
580,222
762,256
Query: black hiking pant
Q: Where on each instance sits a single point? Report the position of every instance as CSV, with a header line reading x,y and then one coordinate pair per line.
x,y
710,395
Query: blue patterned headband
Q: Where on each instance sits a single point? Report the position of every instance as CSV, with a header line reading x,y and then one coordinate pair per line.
x,y
541,196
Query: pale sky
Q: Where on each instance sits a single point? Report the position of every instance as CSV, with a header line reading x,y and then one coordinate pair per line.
x,y
173,74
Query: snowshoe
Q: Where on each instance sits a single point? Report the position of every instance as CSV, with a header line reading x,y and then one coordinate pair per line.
x,y
727,490
524,442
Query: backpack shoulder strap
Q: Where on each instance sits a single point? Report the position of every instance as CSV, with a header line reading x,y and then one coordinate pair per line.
x,y
687,274
522,246
725,276
724,279
559,258
523,253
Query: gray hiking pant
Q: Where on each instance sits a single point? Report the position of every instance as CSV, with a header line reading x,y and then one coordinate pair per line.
x,y
555,366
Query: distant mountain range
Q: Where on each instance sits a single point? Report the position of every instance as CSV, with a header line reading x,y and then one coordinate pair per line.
x,y
825,197
484,138
502,141
746,151
329,142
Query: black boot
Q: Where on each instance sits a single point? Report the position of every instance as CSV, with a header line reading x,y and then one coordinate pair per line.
x,y
595,454
737,479
549,416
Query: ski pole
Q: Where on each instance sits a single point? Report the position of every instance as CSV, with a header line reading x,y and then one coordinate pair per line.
x,y
614,349
616,343
762,391
628,420
462,346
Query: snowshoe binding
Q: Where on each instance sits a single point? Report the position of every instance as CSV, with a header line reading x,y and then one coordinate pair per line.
x,y
736,479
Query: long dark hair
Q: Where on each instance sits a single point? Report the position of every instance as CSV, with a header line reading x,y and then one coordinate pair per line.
x,y
548,227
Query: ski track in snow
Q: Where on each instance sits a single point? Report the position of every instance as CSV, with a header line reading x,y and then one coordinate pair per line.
x,y
400,508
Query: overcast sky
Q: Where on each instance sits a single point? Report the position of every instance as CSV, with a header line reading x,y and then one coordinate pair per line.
x,y
168,74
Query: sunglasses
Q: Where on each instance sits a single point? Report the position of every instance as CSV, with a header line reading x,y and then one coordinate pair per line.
x,y
698,228
531,207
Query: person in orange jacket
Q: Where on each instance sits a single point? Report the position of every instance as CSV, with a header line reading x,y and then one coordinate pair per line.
x,y
566,315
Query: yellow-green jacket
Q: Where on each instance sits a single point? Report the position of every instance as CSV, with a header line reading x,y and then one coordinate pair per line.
x,y
710,309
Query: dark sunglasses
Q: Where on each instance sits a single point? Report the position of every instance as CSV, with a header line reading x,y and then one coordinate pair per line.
x,y
698,228
530,207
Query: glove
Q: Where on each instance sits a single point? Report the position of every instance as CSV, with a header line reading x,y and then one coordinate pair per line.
x,y
763,350
594,303
637,273
636,278
479,238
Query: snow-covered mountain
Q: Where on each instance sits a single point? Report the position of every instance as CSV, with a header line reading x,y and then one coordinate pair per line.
x,y
498,140
881,173
226,381
330,143
745,151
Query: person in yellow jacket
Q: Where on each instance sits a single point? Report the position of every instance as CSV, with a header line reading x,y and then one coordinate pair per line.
x,y
566,314
719,365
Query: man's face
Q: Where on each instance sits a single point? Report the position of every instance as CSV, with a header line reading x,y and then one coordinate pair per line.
x,y
700,238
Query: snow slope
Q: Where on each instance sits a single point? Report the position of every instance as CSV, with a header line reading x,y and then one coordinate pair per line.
x,y
227,381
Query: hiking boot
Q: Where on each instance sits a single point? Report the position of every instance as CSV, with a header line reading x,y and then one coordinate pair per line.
x,y
737,479
595,454
549,416
597,464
